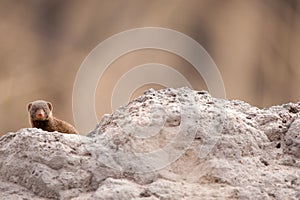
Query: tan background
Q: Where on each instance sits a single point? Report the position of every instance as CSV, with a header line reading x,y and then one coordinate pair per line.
x,y
255,45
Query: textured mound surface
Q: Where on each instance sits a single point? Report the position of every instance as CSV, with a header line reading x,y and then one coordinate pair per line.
x,y
167,144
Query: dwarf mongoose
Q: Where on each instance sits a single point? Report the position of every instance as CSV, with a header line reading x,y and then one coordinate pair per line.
x,y
40,114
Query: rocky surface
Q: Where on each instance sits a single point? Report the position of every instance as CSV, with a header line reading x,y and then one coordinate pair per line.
x,y
167,144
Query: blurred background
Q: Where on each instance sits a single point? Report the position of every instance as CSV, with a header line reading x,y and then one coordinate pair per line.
x,y
255,44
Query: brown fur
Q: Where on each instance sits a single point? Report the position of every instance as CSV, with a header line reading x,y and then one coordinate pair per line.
x,y
40,115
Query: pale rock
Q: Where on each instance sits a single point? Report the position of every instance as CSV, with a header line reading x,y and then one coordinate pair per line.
x,y
166,144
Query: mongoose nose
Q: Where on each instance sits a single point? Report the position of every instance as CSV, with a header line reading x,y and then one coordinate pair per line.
x,y
40,114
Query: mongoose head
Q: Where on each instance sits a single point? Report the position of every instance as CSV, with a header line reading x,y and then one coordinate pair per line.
x,y
40,110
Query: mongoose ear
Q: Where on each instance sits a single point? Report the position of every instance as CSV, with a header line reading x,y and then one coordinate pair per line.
x,y
49,105
29,106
